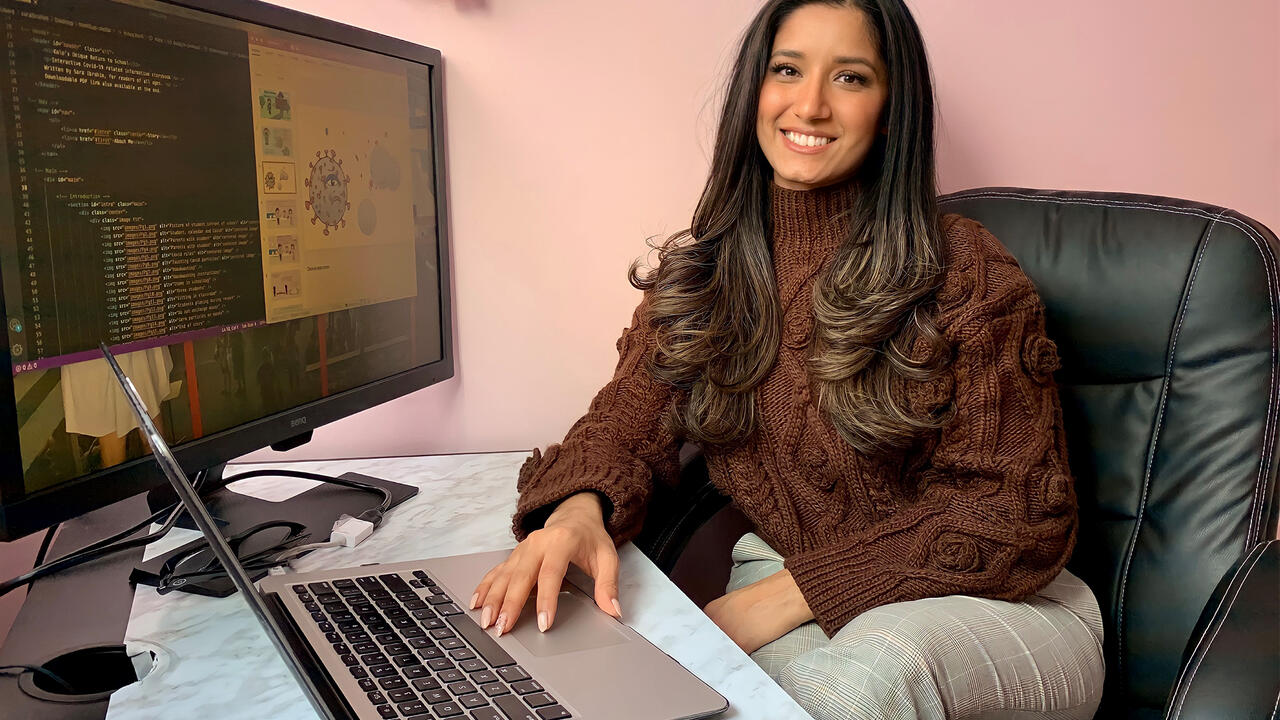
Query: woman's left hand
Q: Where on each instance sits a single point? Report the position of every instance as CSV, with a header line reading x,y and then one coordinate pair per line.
x,y
760,612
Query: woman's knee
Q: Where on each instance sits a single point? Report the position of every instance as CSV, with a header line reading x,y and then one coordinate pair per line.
x,y
865,676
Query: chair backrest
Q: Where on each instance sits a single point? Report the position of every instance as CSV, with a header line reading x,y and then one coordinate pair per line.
x,y
1165,316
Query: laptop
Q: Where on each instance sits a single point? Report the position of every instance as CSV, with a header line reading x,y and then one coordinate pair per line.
x,y
388,641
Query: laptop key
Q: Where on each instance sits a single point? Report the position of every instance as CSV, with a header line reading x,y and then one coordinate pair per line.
x,y
447,710
320,588
318,617
473,700
380,671
435,696
440,664
413,632
404,695
416,583
326,627
300,589
555,712
392,682
420,643
524,687
397,649
365,648
441,633
368,581
494,689
431,653
416,707
386,638
415,671
513,708
367,685
467,659
406,660
403,622
341,648
488,648
386,711
449,609
375,658
378,698
483,677
426,684
515,673
462,687
449,676
333,637
358,672
452,643
540,700
394,583
485,713
406,595
349,660
439,599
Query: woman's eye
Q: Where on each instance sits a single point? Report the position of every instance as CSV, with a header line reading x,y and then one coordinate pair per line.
x,y
851,79
784,70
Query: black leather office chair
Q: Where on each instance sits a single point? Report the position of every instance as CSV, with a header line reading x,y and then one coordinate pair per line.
x,y
1167,316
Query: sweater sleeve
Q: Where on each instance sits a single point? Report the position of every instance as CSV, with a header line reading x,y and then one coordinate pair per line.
x,y
995,512
615,449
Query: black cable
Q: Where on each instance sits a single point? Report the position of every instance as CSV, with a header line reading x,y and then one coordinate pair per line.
x,y
36,668
44,545
372,515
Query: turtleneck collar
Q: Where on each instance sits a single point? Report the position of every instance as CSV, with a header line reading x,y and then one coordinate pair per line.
x,y
810,224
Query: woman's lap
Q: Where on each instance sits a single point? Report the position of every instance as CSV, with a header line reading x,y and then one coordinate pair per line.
x,y
952,657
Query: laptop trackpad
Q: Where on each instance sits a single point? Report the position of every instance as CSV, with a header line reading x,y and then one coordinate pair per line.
x,y
579,625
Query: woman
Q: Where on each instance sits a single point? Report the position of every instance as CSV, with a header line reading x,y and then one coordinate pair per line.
x,y
870,382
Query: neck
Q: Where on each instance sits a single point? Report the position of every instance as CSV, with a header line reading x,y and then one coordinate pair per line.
x,y
810,223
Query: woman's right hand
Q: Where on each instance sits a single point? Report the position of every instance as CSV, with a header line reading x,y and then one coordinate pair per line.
x,y
573,533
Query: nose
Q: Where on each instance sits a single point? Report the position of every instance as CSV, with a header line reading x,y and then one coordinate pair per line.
x,y
810,101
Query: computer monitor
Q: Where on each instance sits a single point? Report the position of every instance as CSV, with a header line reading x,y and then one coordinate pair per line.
x,y
245,203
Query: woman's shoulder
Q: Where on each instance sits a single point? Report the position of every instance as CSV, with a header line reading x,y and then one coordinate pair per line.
x,y
981,275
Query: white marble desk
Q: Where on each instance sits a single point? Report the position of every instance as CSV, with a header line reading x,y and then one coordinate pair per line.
x,y
215,661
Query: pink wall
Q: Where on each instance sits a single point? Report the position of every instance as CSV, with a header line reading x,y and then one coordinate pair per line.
x,y
577,128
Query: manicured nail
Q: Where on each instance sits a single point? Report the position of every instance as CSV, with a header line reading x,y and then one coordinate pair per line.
x,y
617,610
486,616
543,621
475,600
501,624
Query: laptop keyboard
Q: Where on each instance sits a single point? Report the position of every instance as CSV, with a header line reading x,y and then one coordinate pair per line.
x,y
416,654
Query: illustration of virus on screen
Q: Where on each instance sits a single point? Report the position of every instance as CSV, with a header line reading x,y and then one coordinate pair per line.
x,y
327,190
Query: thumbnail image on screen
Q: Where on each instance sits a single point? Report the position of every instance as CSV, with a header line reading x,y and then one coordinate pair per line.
x,y
245,216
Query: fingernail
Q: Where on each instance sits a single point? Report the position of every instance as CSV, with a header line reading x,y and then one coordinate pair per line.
x,y
475,600
486,616
501,624
543,621
617,609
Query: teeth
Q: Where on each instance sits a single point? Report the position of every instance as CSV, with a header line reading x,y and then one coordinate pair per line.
x,y
807,140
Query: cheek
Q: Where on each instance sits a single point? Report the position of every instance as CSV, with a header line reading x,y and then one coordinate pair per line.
x,y
770,106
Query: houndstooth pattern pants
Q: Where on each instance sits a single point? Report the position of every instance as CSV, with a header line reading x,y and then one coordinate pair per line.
x,y
947,657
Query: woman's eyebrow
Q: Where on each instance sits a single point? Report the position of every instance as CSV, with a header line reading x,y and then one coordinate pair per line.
x,y
839,60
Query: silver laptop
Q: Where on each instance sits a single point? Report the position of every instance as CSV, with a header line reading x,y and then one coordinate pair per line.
x,y
392,641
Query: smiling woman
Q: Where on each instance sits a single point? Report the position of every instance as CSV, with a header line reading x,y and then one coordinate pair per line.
x,y
869,381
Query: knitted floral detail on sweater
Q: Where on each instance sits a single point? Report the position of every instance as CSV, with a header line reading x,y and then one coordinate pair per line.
x,y
956,553
1040,357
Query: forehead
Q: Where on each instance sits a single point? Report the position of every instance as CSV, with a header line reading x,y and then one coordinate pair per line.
x,y
825,31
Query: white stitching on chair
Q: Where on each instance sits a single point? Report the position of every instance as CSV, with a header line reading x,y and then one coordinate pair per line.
x,y
1265,251
1221,621
1269,263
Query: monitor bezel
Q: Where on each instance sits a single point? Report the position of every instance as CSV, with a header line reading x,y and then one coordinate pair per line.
x,y
44,508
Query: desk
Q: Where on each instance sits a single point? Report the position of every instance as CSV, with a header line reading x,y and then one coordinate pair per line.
x,y
216,662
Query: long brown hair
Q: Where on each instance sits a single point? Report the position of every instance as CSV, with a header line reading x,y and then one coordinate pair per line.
x,y
713,300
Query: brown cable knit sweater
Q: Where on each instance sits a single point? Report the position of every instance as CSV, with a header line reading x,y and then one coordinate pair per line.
x,y
985,507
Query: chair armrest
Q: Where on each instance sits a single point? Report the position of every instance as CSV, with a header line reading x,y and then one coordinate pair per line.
x,y
677,511
1229,669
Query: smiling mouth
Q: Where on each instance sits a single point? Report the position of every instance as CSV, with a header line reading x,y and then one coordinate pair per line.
x,y
807,140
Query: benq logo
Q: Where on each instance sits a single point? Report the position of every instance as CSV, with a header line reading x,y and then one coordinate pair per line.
x,y
297,421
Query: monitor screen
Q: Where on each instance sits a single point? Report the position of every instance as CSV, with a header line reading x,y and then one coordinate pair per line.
x,y
245,209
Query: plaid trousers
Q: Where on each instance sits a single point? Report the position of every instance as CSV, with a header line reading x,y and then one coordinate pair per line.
x,y
946,657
